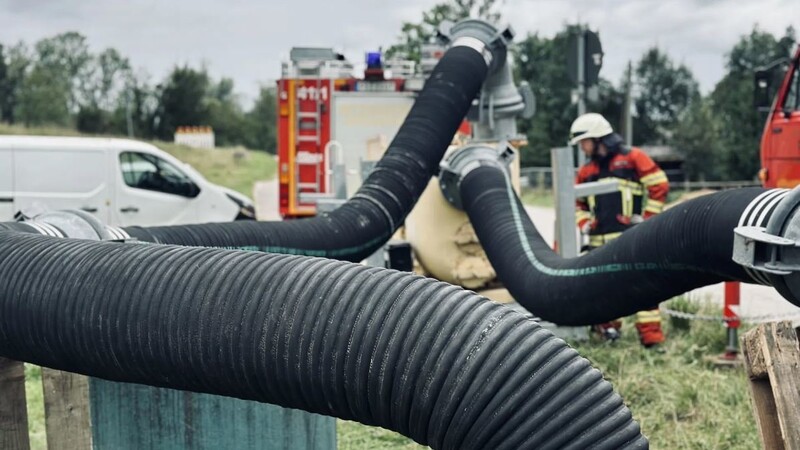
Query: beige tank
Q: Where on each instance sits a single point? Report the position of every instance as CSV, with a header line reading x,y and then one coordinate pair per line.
x,y
444,241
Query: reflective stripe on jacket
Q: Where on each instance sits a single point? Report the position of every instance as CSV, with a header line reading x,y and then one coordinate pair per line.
x,y
643,188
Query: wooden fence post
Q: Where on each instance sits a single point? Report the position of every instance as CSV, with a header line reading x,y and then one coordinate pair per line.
x,y
772,359
13,409
66,409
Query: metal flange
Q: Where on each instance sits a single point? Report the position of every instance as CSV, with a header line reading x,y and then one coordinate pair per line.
x,y
462,161
774,250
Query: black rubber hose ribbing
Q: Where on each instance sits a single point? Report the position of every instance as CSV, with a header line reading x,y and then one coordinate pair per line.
x,y
439,364
686,247
360,226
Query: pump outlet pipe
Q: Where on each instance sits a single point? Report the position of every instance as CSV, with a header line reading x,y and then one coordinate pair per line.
x,y
369,218
438,364
686,247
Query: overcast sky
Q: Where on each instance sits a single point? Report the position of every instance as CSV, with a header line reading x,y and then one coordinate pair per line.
x,y
247,39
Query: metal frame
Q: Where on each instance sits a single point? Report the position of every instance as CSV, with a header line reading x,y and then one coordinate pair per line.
x,y
566,192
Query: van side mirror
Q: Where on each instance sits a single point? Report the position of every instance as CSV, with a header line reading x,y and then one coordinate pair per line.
x,y
762,94
192,190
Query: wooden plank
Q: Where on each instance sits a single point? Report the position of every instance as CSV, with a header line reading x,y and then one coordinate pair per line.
x,y
764,408
772,359
66,409
782,357
751,344
13,409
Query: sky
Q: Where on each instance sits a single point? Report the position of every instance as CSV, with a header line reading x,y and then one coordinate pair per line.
x,y
248,39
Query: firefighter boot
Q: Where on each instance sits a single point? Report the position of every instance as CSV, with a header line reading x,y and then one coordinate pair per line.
x,y
650,334
609,331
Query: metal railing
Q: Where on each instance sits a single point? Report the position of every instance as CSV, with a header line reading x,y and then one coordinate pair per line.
x,y
541,178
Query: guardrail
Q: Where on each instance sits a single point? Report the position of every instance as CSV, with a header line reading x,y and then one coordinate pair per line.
x,y
542,178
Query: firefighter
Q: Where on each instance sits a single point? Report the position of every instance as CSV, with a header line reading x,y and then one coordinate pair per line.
x,y
643,188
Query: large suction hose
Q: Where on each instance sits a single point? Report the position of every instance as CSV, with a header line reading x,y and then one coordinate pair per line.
x,y
684,248
439,364
360,226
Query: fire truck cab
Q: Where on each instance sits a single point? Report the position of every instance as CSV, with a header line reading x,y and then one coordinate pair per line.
x,y
780,141
326,118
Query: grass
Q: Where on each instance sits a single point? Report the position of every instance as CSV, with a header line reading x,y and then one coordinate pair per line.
x,y
34,396
680,398
537,197
236,168
355,436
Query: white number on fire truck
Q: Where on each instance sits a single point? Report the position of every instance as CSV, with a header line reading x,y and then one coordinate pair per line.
x,y
312,93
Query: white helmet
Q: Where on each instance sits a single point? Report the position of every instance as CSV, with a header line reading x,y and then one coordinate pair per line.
x,y
591,125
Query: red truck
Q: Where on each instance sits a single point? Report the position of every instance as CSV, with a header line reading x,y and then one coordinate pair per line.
x,y
780,141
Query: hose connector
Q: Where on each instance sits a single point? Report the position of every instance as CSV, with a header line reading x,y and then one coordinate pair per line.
x,y
73,223
458,164
772,253
480,35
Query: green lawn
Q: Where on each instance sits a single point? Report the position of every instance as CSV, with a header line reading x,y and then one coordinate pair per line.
x,y
236,168
538,197
34,395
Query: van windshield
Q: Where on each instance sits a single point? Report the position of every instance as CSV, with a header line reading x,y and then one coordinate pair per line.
x,y
149,172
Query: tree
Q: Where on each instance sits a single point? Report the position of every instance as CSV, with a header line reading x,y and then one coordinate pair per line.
x,y
664,92
140,102
732,101
261,122
610,103
105,80
542,62
182,101
697,138
17,62
65,57
414,34
225,114
44,99
3,80
109,78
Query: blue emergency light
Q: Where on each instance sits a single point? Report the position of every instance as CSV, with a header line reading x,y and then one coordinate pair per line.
x,y
374,60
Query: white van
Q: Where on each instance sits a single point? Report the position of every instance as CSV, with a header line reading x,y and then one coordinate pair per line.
x,y
121,182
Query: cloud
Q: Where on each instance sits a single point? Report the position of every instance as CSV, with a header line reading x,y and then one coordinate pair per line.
x,y
696,33
247,39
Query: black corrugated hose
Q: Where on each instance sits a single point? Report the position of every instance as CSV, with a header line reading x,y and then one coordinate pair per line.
x,y
684,248
434,362
359,227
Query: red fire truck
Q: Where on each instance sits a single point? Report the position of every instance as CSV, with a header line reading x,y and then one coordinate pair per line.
x,y
780,142
326,116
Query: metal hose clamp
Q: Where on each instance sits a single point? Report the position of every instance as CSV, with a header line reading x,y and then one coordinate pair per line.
x,y
462,161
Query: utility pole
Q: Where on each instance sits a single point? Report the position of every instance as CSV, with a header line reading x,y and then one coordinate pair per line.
x,y
128,117
581,84
584,59
628,105
581,71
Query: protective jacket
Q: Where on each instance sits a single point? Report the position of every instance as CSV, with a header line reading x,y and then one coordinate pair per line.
x,y
643,188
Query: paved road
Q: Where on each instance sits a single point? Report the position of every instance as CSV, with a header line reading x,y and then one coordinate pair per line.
x,y
265,196
755,300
